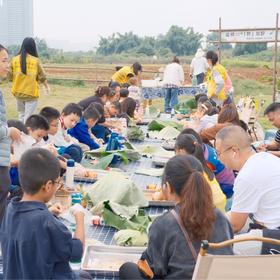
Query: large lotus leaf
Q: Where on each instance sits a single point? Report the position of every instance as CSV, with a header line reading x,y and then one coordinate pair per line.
x,y
160,124
166,133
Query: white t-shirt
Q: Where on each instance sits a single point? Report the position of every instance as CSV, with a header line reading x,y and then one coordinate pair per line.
x,y
199,65
257,189
173,74
26,143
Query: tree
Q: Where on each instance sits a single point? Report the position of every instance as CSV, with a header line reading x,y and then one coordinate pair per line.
x,y
214,37
241,49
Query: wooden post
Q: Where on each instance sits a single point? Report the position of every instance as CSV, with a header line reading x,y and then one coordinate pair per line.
x,y
220,39
275,60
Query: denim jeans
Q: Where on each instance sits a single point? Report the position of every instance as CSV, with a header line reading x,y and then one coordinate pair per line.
x,y
73,151
171,99
200,78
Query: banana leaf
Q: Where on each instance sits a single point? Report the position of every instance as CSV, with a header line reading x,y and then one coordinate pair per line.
x,y
102,163
160,124
167,133
135,133
152,112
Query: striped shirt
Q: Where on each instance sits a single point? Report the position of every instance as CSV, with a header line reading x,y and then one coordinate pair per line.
x,y
277,136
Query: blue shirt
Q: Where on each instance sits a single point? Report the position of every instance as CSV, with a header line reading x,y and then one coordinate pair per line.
x,y
35,244
81,133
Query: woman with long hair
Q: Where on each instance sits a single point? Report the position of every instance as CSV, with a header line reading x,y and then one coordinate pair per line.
x,y
169,254
26,72
187,144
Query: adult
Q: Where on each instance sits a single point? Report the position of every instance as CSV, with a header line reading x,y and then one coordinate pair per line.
x,y
170,255
26,72
219,85
6,134
199,66
226,117
123,75
272,112
256,187
173,78
101,96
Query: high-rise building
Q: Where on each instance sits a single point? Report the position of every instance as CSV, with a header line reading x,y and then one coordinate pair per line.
x,y
16,21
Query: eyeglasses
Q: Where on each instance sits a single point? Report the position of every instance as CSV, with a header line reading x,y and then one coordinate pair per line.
x,y
59,183
226,150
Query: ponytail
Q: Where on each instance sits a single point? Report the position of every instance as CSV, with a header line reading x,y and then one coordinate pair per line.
x,y
197,207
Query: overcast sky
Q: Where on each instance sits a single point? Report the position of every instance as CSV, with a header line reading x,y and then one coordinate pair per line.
x,y
78,24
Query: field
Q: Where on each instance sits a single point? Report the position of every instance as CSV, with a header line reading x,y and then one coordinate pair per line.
x,y
254,81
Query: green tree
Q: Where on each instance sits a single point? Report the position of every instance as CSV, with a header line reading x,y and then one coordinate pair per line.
x,y
241,49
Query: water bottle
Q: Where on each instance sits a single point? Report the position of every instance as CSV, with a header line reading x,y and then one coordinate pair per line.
x,y
172,113
124,127
70,170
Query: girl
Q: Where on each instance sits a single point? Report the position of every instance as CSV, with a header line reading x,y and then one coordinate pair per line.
x,y
187,144
169,255
25,72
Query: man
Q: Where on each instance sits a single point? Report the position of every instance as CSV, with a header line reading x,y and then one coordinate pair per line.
x,y
256,187
273,114
172,79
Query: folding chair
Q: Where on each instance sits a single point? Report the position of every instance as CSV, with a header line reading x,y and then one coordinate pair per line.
x,y
235,267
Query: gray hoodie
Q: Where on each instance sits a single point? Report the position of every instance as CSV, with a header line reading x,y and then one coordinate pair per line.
x,y
4,139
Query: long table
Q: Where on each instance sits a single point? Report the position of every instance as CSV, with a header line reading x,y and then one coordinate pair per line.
x,y
159,92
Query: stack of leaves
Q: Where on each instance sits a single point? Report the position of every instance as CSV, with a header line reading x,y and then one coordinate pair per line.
x,y
160,124
134,132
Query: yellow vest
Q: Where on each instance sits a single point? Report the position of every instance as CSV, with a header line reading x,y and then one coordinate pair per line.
x,y
121,75
219,198
25,86
211,85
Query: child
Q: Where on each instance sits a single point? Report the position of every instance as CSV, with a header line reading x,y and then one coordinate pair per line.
x,y
30,234
187,144
70,116
81,130
134,90
128,104
113,109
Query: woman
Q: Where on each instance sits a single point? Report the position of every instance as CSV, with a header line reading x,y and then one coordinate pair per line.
x,y
198,66
26,73
169,255
227,116
224,176
187,144
123,75
218,81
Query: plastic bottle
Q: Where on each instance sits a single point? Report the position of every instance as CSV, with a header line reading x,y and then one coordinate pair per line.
x,y
124,127
70,170
172,113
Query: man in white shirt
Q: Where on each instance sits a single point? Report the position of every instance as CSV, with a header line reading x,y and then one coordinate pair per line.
x,y
173,78
199,66
256,187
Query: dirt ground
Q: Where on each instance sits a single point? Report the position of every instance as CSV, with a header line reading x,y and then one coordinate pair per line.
x,y
104,73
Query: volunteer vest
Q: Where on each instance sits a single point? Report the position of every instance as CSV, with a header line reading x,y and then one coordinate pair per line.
x,y
211,85
121,75
25,86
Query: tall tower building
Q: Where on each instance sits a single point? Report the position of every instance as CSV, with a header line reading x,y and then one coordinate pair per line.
x,y
16,21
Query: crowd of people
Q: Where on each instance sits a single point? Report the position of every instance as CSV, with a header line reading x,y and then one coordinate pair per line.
x,y
223,187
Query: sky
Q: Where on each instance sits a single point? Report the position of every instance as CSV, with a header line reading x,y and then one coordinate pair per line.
x,y
78,25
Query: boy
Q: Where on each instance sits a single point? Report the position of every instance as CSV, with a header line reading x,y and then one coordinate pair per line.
x,y
70,116
113,109
6,135
37,127
134,90
35,244
82,130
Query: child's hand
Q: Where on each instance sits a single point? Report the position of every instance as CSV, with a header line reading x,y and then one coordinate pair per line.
x,y
67,138
77,210
56,209
100,141
14,134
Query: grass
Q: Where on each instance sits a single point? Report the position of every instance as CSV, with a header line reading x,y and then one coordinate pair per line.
x,y
66,92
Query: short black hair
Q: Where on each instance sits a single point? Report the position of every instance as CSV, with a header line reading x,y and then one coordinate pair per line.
x,y
37,166
72,108
275,106
117,105
113,85
98,107
211,55
50,113
124,92
17,124
91,113
126,85
37,122
137,67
